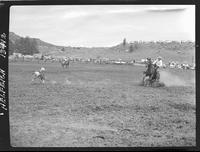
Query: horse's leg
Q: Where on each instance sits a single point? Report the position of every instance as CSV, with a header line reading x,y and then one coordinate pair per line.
x,y
152,81
158,76
43,80
144,80
147,83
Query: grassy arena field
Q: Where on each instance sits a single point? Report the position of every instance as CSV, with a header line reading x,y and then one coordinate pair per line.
x,y
91,105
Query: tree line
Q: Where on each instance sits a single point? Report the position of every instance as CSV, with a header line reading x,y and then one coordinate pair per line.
x,y
25,46
169,45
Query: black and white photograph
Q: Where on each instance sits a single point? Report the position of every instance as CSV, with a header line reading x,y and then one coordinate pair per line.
x,y
102,76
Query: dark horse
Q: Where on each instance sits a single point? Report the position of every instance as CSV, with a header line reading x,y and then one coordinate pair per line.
x,y
64,63
151,74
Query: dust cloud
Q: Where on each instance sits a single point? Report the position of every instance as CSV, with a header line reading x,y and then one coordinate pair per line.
x,y
170,79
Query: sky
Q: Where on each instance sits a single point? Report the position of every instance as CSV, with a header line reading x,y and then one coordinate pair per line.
x,y
103,25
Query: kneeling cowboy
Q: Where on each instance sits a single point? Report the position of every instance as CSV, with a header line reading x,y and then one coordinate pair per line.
x,y
42,76
39,74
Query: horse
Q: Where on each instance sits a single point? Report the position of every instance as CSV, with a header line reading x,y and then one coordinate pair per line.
x,y
64,63
48,58
151,74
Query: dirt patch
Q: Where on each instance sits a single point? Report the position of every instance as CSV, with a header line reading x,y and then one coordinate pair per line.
x,y
90,127
183,107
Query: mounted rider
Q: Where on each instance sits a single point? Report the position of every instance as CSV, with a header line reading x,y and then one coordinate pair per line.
x,y
157,64
66,59
152,68
65,62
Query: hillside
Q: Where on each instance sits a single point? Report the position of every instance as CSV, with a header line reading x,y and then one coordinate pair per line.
x,y
13,37
43,47
176,51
